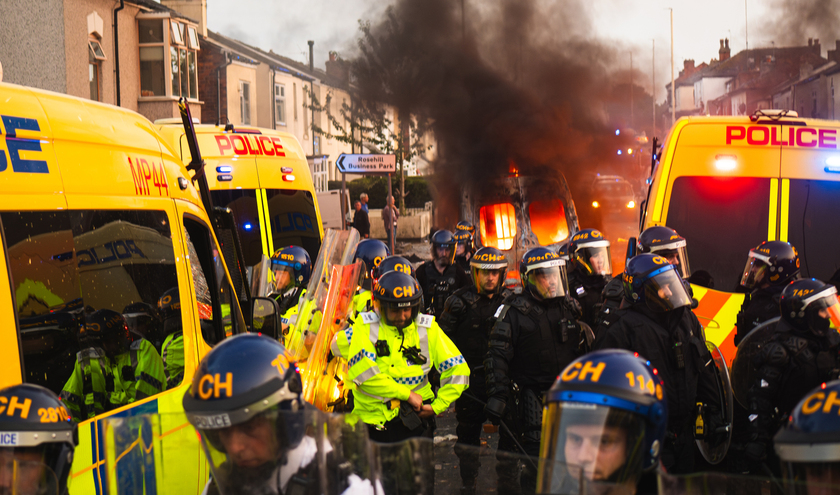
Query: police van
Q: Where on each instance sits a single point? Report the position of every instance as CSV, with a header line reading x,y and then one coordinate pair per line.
x,y
263,177
97,212
727,184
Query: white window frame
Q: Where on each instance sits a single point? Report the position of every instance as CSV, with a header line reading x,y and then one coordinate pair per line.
x,y
280,103
245,102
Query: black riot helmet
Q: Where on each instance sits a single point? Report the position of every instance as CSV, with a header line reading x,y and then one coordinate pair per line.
x,y
393,263
665,242
397,290
290,267
589,251
371,252
38,440
110,329
652,280
463,243
810,305
246,386
563,251
771,263
443,247
543,274
169,306
465,226
142,320
488,259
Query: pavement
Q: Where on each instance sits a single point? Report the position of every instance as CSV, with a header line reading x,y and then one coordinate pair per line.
x,y
447,473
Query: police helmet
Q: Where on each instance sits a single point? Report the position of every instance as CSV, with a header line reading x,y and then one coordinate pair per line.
x,y
36,433
393,263
665,242
108,327
371,252
563,251
652,280
290,267
543,273
169,306
463,243
488,259
810,305
465,226
397,290
771,263
444,241
142,320
809,444
589,250
609,400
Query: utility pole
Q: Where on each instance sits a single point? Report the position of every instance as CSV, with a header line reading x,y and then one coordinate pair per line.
x,y
746,26
653,78
673,88
631,91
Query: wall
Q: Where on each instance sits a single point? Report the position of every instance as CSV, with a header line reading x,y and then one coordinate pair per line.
x,y
685,98
164,109
32,43
408,227
264,97
737,100
707,89
240,72
211,58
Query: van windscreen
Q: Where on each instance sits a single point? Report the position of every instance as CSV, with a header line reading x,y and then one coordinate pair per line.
x,y
814,206
721,218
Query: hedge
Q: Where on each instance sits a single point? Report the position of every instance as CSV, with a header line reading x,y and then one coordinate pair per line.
x,y
416,188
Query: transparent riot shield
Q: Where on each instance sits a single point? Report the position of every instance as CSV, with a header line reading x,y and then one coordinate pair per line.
x,y
744,372
338,248
274,452
262,279
730,484
322,388
713,431
21,474
407,467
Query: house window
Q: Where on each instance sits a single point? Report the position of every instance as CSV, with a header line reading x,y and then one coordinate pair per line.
x,y
183,58
182,62
245,102
177,30
280,104
95,58
294,99
152,63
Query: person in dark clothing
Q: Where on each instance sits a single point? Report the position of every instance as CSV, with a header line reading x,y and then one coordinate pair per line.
x,y
467,318
463,249
660,326
361,222
441,276
798,354
770,267
534,338
589,271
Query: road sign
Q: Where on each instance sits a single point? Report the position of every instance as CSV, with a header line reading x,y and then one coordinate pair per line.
x,y
366,164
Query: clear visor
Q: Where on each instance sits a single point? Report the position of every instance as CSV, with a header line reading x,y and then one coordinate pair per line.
x,y
827,307
488,281
547,282
141,324
755,272
283,276
23,472
666,291
398,314
460,249
595,260
677,257
445,252
589,445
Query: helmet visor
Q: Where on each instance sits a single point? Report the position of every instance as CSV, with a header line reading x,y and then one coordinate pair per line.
x,y
595,259
589,444
398,314
666,291
677,256
825,305
22,471
283,275
755,272
444,252
547,282
488,281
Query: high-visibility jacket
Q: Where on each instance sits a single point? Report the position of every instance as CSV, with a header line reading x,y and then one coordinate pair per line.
x,y
362,302
91,389
289,310
379,380
140,371
173,359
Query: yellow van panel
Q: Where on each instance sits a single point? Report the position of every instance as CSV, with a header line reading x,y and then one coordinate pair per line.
x,y
9,345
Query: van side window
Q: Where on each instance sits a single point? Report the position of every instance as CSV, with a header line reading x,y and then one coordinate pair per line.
x,y
812,228
208,274
87,286
243,204
293,220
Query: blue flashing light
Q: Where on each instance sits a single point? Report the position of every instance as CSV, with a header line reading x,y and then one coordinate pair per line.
x,y
619,152
224,169
224,178
247,226
617,132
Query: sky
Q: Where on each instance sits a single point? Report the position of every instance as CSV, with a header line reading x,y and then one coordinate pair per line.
x,y
285,26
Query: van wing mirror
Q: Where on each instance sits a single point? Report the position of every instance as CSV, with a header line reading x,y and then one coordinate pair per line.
x,y
265,317
225,226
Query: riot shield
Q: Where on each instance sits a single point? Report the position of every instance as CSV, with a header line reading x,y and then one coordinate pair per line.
x,y
407,467
744,372
262,279
714,434
731,484
157,454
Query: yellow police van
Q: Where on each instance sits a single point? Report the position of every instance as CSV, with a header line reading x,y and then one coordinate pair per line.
x,y
263,177
728,183
97,212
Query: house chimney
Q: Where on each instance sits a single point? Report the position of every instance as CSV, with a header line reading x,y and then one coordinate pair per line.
x,y
817,47
688,66
810,42
724,49
337,68
311,56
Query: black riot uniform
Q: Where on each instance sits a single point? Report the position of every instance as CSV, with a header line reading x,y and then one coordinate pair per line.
x,y
589,271
535,337
660,326
798,353
467,318
770,267
437,286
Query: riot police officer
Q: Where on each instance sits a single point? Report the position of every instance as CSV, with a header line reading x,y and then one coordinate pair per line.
x,y
770,267
37,449
659,325
137,366
605,423
372,252
465,226
809,444
467,318
589,271
169,306
291,268
534,338
257,432
441,276
463,249
143,321
787,358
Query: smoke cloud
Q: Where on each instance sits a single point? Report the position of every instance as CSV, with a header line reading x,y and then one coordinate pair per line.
x,y
792,22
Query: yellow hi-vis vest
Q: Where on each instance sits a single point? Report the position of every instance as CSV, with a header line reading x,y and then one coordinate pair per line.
x,y
379,380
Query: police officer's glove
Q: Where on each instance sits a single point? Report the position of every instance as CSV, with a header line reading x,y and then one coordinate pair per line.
x,y
495,408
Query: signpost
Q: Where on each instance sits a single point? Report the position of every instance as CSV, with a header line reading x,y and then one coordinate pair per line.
x,y
369,164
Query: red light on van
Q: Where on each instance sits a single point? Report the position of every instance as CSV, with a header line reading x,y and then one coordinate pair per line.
x,y
289,178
